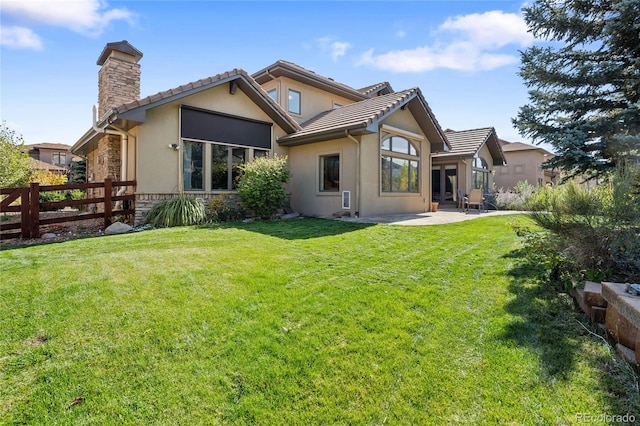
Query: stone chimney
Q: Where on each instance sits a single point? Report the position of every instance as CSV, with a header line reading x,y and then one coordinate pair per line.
x,y
119,77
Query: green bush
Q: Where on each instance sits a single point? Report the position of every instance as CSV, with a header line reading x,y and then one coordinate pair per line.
x,y
261,185
592,233
53,196
180,211
222,210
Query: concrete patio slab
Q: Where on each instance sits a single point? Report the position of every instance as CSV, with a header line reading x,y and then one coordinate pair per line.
x,y
441,217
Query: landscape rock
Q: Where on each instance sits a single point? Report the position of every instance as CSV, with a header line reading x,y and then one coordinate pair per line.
x,y
118,228
290,216
48,236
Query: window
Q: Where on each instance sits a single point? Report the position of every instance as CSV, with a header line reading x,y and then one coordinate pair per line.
x,y
399,165
274,94
294,101
59,158
330,173
518,169
223,170
225,166
336,106
192,163
480,174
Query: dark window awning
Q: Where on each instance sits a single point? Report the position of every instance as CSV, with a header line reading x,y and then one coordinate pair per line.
x,y
205,125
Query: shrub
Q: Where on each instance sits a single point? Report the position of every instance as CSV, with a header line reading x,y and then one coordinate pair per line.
x,y
261,186
595,231
180,211
221,210
516,199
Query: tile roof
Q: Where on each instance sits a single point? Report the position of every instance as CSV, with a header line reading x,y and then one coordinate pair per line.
x,y
42,165
467,143
375,88
48,145
135,109
520,146
357,116
295,71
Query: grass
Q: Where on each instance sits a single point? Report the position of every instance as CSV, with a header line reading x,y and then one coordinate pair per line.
x,y
299,322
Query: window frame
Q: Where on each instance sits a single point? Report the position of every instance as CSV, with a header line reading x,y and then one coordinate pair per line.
x,y
275,94
61,158
411,156
321,174
207,164
299,93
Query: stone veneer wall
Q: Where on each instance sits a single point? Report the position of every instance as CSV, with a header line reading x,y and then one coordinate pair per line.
x,y
144,202
102,163
118,83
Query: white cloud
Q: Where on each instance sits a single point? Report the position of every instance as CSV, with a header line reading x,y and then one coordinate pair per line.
x,y
15,37
339,48
468,43
335,48
87,17
401,33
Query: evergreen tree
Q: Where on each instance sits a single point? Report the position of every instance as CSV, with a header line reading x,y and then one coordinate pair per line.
x,y
584,88
78,171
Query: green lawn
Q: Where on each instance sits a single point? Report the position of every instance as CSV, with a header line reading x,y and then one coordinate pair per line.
x,y
300,322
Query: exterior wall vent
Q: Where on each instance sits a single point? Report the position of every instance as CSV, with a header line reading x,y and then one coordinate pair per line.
x,y
346,200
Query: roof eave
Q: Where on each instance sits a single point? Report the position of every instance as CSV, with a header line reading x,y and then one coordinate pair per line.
x,y
280,69
355,130
84,139
254,92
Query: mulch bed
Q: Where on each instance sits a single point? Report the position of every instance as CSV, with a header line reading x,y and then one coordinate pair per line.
x,y
57,232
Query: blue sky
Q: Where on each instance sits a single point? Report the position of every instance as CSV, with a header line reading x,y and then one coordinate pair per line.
x,y
462,54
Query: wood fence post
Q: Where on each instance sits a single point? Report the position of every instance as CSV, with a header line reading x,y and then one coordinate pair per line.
x,y
25,212
34,209
107,202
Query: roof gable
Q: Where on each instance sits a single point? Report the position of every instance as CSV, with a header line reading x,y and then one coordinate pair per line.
x,y
364,117
383,88
136,110
467,143
520,146
296,72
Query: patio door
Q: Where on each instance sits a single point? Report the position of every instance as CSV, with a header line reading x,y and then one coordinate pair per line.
x,y
444,184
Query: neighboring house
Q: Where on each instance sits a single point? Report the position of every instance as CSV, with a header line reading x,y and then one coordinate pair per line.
x,y
470,164
56,154
47,167
524,164
351,152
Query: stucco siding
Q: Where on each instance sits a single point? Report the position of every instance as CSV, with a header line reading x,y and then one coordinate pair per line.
x,y
158,166
313,101
366,196
304,160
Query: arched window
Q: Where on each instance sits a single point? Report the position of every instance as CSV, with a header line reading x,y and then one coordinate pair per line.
x,y
480,174
399,165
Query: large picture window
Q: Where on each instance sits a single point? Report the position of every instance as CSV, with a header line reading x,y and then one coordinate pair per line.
x,y
193,164
399,165
480,174
330,173
221,172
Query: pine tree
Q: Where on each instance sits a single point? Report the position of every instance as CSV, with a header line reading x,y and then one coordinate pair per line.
x,y
584,87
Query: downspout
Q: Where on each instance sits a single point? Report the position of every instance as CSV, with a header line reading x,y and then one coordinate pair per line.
x,y
278,86
346,132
